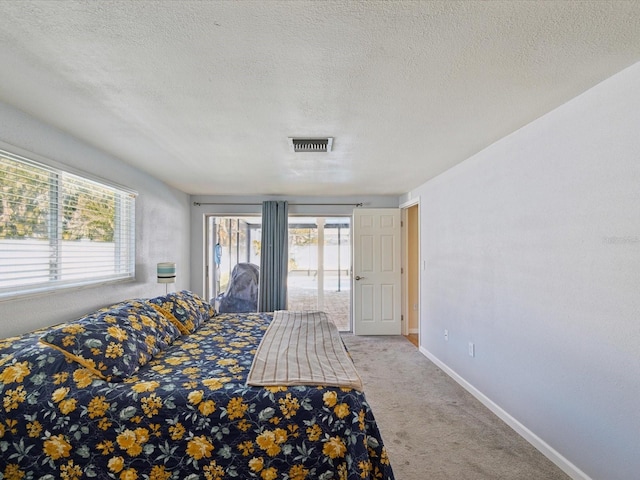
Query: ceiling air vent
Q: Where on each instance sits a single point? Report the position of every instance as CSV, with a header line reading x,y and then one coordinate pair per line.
x,y
311,144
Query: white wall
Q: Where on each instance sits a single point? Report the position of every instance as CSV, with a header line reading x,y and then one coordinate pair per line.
x,y
234,207
533,253
162,227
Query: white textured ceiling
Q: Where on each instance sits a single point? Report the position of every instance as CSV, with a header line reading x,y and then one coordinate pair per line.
x,y
204,94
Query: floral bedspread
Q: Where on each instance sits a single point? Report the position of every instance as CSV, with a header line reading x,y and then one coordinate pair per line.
x,y
187,414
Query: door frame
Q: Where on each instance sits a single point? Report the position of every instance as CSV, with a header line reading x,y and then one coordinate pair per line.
x,y
321,226
404,207
210,235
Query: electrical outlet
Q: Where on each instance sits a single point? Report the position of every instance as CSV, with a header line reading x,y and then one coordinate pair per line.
x,y
472,349
446,335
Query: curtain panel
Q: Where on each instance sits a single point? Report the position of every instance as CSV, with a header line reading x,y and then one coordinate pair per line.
x,y
274,256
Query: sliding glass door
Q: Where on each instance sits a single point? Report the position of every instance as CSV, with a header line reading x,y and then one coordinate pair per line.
x,y
319,260
229,241
319,267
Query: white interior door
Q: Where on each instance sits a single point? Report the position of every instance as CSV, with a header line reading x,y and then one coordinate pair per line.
x,y
376,271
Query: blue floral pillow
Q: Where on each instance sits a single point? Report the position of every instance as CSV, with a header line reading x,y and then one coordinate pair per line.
x,y
185,309
158,330
24,360
115,342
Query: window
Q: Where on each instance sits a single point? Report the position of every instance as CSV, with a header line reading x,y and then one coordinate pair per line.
x,y
59,229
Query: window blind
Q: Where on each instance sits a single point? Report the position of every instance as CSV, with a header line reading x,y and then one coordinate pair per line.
x,y
59,229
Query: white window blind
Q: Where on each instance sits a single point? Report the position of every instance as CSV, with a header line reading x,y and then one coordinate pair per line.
x,y
59,229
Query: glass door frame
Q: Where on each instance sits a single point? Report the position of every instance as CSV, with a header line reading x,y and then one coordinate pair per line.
x,y
319,223
211,235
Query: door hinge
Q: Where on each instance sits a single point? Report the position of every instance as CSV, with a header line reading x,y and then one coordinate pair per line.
x,y
401,270
402,318
401,223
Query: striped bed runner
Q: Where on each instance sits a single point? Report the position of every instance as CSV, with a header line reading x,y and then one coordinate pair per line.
x,y
303,348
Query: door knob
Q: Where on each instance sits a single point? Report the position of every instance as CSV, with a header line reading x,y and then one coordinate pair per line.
x,y
358,277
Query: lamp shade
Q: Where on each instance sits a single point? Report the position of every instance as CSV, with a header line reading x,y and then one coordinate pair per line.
x,y
167,272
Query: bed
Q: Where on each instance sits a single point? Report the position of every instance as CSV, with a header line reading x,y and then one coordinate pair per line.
x,y
157,389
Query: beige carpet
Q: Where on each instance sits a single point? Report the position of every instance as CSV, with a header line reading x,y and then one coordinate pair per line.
x,y
432,427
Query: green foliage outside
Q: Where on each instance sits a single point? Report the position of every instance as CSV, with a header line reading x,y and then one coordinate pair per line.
x,y
88,215
27,193
303,236
24,207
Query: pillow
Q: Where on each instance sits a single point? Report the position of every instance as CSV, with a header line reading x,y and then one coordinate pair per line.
x,y
206,309
24,359
185,309
156,328
114,342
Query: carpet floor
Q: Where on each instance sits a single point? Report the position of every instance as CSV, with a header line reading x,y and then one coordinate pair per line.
x,y
434,429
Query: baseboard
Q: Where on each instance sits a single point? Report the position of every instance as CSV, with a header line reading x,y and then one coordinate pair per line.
x,y
565,465
414,331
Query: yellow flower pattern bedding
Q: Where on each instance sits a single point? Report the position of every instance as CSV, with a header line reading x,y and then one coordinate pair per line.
x,y
182,411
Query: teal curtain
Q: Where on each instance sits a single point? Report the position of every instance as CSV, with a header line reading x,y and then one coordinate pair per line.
x,y
274,257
